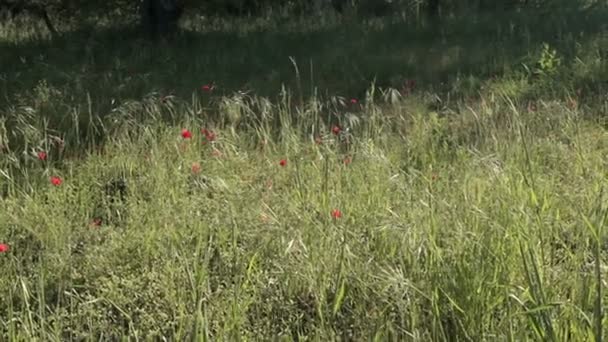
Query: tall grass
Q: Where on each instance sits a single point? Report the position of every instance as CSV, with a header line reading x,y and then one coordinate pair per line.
x,y
472,210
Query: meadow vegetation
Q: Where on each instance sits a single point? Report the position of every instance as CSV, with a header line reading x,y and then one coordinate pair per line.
x,y
315,178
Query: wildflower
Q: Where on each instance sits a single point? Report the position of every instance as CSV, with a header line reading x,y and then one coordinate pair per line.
x,y
207,88
336,129
56,181
336,213
96,222
283,162
186,134
354,101
209,135
4,248
42,155
196,168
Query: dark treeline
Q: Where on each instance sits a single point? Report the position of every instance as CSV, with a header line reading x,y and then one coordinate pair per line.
x,y
160,17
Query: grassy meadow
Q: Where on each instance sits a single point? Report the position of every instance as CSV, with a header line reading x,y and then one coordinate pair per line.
x,y
316,178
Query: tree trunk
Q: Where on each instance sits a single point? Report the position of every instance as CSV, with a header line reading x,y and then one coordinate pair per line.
x,y
159,17
433,9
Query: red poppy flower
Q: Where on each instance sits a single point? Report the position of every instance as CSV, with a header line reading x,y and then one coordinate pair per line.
x,y
336,213
354,101
210,136
186,134
336,129
196,168
56,181
207,88
283,162
42,155
4,248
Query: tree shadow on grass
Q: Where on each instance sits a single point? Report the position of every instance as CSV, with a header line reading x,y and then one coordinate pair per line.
x,y
92,71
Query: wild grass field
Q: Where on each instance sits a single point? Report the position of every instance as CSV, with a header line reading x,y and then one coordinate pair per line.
x,y
309,179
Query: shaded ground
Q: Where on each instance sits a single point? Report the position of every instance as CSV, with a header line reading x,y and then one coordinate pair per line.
x,y
342,58
87,73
